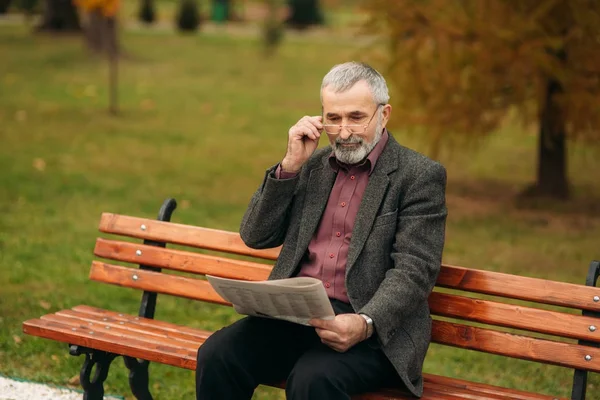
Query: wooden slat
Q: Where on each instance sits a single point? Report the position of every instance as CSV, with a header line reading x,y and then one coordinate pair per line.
x,y
107,342
188,235
155,282
133,328
159,344
484,388
512,316
520,287
181,260
69,329
132,319
479,281
523,347
143,339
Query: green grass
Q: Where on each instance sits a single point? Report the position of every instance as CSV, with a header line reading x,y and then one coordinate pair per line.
x,y
201,118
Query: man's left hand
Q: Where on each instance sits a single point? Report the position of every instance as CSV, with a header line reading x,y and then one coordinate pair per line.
x,y
342,332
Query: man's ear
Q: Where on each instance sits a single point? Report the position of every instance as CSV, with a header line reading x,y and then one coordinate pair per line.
x,y
386,113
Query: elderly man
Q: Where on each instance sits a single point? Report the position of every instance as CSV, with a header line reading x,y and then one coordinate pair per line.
x,y
367,217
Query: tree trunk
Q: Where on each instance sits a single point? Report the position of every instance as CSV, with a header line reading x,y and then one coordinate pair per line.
x,y
552,147
304,13
4,4
101,33
59,16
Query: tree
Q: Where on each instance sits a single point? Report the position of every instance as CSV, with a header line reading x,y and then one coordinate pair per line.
x,y
188,17
4,4
102,38
59,16
463,67
304,13
147,14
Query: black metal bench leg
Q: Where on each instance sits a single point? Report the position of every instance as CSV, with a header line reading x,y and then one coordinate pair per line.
x,y
93,386
578,391
139,379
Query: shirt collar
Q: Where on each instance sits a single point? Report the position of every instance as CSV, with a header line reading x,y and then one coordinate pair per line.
x,y
368,162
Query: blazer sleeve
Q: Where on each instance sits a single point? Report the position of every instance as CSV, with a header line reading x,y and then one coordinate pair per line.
x,y
416,253
266,220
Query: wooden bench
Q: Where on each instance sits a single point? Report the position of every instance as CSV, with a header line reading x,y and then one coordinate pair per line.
x,y
460,319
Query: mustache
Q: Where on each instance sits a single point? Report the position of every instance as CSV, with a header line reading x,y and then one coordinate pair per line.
x,y
350,140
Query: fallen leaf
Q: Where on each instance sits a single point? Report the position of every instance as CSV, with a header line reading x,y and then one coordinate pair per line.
x,y
74,380
39,164
17,339
54,357
147,104
45,305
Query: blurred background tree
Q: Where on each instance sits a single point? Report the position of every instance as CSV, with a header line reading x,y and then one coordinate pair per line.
x,y
188,18
147,13
462,68
4,4
304,13
101,25
102,38
59,16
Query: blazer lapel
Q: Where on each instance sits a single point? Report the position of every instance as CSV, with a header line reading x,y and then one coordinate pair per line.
x,y
371,201
319,186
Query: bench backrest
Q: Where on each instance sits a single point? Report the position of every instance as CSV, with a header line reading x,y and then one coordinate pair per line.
x,y
466,321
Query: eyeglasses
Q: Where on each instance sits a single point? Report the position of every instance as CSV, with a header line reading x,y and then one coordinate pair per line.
x,y
353,129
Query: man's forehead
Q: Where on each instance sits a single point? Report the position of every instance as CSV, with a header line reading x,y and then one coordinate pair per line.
x,y
356,99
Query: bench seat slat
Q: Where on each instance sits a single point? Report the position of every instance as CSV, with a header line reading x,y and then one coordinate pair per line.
x,y
128,318
65,326
110,343
155,281
143,339
519,287
522,347
131,326
483,388
512,316
181,260
170,232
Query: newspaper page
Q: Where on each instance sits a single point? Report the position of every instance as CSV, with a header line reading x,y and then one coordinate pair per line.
x,y
294,299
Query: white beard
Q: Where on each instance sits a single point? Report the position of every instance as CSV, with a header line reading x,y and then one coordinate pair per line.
x,y
355,156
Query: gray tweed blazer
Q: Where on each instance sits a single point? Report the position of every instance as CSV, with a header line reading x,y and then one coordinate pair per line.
x,y
395,251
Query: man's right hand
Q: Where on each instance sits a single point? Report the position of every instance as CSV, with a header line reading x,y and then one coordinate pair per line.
x,y
303,139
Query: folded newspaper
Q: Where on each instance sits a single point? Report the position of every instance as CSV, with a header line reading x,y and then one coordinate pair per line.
x,y
294,299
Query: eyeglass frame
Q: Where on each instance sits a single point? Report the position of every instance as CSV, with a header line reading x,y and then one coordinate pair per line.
x,y
365,126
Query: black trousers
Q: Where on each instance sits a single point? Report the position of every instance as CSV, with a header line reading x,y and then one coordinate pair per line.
x,y
252,351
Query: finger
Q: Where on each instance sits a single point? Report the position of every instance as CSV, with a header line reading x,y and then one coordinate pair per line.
x,y
320,323
316,120
309,128
330,336
335,346
300,131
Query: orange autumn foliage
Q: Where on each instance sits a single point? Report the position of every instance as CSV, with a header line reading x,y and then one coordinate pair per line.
x,y
108,8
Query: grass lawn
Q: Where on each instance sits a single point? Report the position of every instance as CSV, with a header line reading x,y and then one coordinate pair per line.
x,y
201,118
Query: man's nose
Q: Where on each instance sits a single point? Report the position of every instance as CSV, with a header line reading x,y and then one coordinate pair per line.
x,y
345,133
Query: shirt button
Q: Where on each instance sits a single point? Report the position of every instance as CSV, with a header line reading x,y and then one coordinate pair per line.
x,y
343,204
331,255
352,177
338,234
327,284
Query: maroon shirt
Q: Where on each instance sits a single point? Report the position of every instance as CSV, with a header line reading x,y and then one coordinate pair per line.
x,y
328,248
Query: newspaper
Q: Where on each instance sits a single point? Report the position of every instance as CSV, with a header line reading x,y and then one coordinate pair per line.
x,y
294,299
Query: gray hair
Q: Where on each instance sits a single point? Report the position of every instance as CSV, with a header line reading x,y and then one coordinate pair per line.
x,y
343,76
